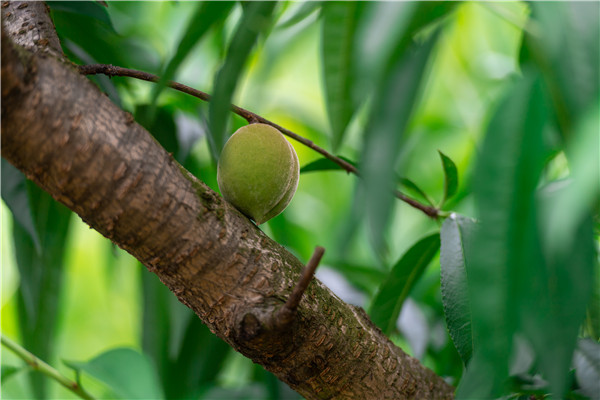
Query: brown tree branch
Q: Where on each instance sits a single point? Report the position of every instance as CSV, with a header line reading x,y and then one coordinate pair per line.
x,y
114,175
111,70
285,314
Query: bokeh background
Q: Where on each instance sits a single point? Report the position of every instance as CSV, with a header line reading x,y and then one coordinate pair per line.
x,y
104,299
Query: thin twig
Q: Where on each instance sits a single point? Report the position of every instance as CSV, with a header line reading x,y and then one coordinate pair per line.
x,y
39,365
111,70
286,313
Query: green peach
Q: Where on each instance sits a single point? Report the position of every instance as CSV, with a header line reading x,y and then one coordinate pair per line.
x,y
258,171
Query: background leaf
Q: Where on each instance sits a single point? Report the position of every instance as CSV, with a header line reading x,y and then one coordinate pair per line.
x,y
507,252
41,277
456,241
88,8
387,303
324,164
391,111
339,22
207,15
128,373
14,194
256,18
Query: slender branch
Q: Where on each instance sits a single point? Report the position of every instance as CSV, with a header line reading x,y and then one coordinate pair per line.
x,y
111,70
39,365
286,313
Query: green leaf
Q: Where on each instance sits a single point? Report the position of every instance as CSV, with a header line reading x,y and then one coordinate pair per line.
x,y
387,304
450,177
127,372
302,11
386,32
505,270
186,354
324,164
456,241
207,15
392,109
88,8
412,187
569,61
38,295
256,18
14,194
339,22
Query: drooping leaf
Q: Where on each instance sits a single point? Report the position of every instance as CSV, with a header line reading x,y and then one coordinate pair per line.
x,y
506,257
14,194
391,111
456,240
207,15
450,177
339,23
127,372
255,19
387,304
569,62
41,274
324,164
88,8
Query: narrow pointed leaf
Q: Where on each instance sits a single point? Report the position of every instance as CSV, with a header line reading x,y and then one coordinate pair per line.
x,y
305,10
255,19
450,177
387,304
339,22
207,15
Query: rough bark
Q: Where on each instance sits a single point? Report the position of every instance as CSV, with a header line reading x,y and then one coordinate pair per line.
x,y
67,136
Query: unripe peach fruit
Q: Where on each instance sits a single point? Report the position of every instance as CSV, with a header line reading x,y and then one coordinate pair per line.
x,y
258,171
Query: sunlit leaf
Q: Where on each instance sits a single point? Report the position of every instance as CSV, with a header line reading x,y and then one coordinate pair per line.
x,y
339,22
387,304
450,177
456,240
256,18
303,11
129,374
207,15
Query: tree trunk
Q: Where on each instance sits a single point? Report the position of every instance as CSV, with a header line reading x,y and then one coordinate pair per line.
x,y
67,136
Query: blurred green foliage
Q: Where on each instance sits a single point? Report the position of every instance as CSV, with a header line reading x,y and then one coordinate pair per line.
x,y
507,94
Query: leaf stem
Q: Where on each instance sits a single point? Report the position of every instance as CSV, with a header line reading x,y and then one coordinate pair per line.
x,y
39,365
111,70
